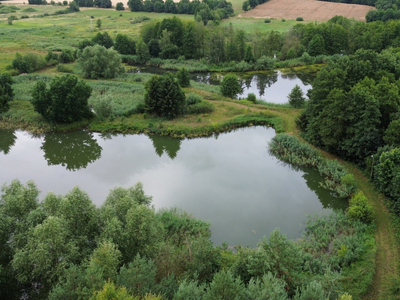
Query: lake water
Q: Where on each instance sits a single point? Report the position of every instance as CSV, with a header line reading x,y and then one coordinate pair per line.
x,y
231,181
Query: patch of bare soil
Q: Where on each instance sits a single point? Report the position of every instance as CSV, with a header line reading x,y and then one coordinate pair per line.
x,y
307,9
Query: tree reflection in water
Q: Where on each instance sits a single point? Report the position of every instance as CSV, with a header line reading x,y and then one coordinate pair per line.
x,y
165,144
73,150
7,140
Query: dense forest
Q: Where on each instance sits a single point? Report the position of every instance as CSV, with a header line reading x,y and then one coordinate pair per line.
x,y
65,248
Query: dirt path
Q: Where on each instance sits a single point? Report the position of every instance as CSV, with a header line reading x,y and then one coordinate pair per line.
x,y
308,10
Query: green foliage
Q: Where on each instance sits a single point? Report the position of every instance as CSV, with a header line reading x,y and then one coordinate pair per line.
x,y
110,292
120,6
387,175
64,69
6,91
103,39
225,287
267,21
98,62
164,97
65,101
203,107
28,63
299,19
252,97
190,290
73,6
193,98
359,208
125,45
289,149
103,108
348,111
98,24
230,86
392,136
138,276
296,98
142,51
183,77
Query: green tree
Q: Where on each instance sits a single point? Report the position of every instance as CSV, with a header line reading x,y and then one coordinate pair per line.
x,y
225,287
136,5
125,45
103,39
120,6
73,6
98,62
142,51
230,86
98,24
111,292
316,45
183,77
296,98
42,261
65,101
392,136
6,91
164,96
248,55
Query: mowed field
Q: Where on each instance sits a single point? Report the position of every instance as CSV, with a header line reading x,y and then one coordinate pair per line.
x,y
307,9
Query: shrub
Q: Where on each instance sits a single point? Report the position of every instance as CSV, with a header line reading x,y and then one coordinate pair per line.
x,y
267,21
28,63
203,107
296,98
66,56
64,69
103,107
230,86
183,77
120,6
164,96
6,91
283,20
265,63
193,98
360,209
251,97
299,19
99,62
66,100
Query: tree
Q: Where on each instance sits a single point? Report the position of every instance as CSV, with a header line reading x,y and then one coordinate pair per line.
x,y
183,77
73,6
110,292
392,136
142,51
135,5
6,91
316,45
125,45
296,98
230,86
248,55
103,39
42,261
98,62
164,96
120,6
98,24
66,100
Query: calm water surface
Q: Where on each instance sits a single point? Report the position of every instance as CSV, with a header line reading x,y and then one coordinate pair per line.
x,y
231,181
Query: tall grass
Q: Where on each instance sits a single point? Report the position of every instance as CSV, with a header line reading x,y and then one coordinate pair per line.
x,y
336,178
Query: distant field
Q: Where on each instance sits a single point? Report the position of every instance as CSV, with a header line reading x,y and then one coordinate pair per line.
x,y
253,24
310,10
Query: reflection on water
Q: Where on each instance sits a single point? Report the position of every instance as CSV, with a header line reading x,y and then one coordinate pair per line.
x,y
231,182
74,150
165,144
7,140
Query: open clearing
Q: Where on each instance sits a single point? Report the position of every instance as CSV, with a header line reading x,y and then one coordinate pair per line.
x,y
308,10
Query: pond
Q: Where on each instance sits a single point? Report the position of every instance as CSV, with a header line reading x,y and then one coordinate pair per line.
x,y
230,180
269,86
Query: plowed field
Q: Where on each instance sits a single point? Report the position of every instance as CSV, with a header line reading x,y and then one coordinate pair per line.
x,y
308,10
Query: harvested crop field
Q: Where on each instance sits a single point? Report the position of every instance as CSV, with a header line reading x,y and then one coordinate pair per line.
x,y
308,10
